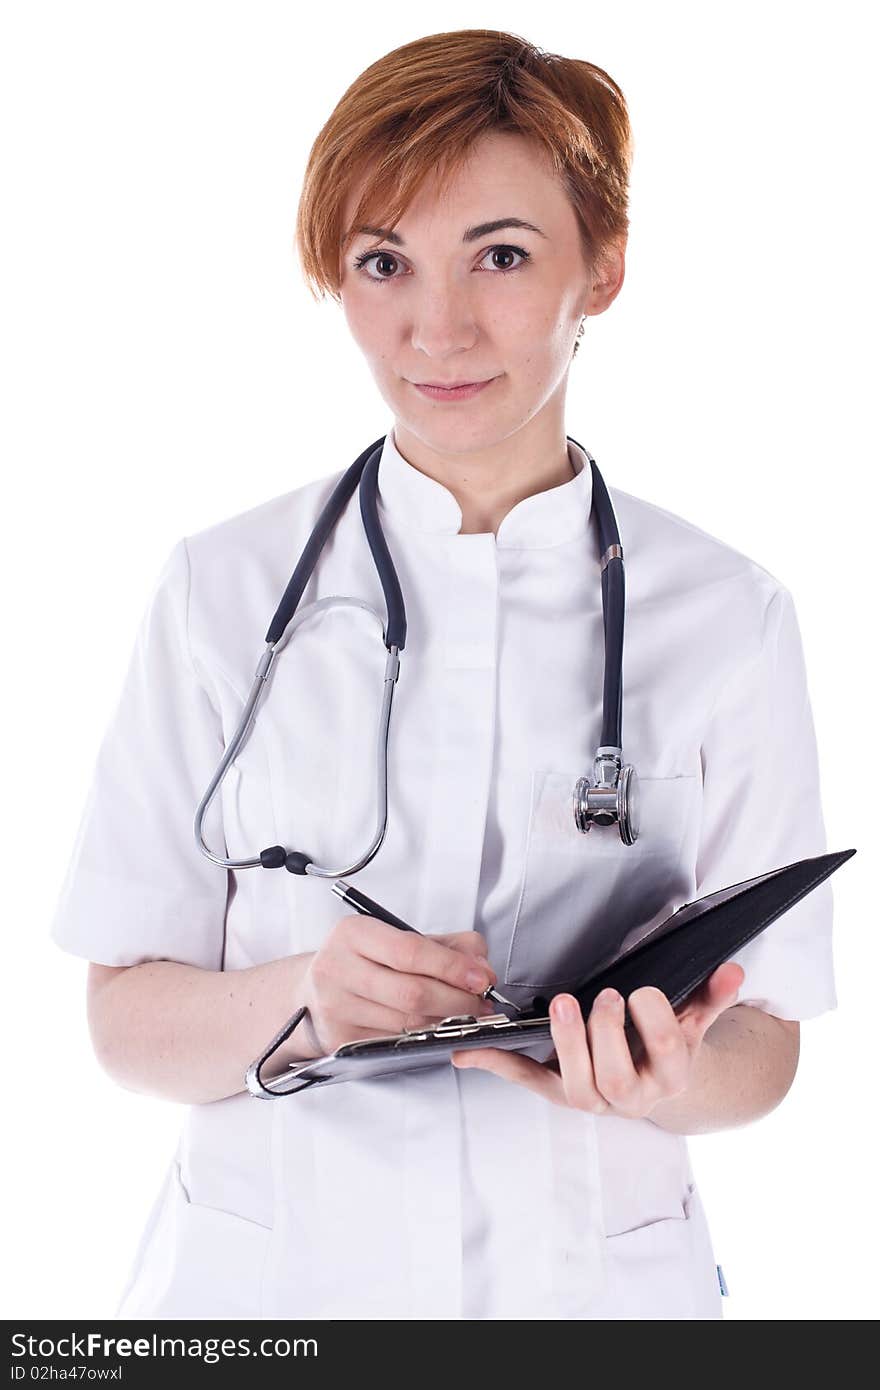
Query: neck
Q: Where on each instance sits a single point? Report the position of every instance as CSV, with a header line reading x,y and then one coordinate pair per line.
x,y
488,483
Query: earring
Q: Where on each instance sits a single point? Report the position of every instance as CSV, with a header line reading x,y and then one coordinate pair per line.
x,y
580,334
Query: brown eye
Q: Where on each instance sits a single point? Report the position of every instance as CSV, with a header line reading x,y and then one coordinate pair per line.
x,y
382,260
503,254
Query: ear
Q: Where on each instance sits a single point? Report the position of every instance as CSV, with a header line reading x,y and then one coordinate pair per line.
x,y
607,278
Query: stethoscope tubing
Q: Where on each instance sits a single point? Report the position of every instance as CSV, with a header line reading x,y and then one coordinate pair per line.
x,y
363,475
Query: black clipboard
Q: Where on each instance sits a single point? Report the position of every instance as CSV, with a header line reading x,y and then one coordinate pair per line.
x,y
676,956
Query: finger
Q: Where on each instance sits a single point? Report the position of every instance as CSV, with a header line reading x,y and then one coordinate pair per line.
x,y
723,985
410,953
470,942
413,1000
347,1017
351,1017
575,1063
615,1074
716,990
705,1005
667,1054
513,1066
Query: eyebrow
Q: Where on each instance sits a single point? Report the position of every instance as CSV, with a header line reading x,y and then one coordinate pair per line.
x,y
472,233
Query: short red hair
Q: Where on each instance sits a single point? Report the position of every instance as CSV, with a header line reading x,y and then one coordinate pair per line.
x,y
417,111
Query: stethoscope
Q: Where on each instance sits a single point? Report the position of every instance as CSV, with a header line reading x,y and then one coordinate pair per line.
x,y
611,797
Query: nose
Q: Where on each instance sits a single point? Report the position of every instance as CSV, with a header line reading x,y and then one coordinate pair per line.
x,y
443,322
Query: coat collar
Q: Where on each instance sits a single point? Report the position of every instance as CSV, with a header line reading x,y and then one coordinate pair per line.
x,y
544,519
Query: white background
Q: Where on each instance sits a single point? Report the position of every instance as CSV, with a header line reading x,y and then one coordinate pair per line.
x,y
166,368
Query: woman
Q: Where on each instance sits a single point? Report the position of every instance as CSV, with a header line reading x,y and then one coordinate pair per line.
x,y
466,203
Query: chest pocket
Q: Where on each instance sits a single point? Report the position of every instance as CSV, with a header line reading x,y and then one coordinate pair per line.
x,y
583,895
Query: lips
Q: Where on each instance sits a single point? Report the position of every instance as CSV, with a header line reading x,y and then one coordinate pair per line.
x,y
452,385
461,392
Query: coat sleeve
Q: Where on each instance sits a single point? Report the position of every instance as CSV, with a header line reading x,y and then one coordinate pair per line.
x,y
137,887
762,809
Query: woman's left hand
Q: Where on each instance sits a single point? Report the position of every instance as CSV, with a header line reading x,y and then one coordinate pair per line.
x,y
594,1069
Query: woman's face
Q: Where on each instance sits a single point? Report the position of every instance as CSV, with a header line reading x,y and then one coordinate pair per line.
x,y
447,299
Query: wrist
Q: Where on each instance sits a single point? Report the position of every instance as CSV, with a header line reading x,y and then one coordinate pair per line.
x,y
292,993
305,1038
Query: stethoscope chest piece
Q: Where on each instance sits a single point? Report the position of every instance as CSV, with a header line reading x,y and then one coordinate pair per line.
x,y
613,796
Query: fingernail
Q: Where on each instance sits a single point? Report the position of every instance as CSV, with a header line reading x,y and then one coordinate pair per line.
x,y
565,1009
477,981
609,998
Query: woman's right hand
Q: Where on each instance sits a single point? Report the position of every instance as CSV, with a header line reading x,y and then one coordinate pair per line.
x,y
370,979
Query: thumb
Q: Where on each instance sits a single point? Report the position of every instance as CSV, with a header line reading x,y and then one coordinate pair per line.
x,y
723,986
719,992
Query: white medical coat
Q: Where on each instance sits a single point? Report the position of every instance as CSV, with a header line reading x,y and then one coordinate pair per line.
x,y
446,1194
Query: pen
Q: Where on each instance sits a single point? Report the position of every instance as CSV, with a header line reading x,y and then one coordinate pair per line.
x,y
368,908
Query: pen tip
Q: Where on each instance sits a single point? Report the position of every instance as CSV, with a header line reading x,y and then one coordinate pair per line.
x,y
493,993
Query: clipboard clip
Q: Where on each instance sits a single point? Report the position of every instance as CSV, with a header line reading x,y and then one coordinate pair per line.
x,y
457,1026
